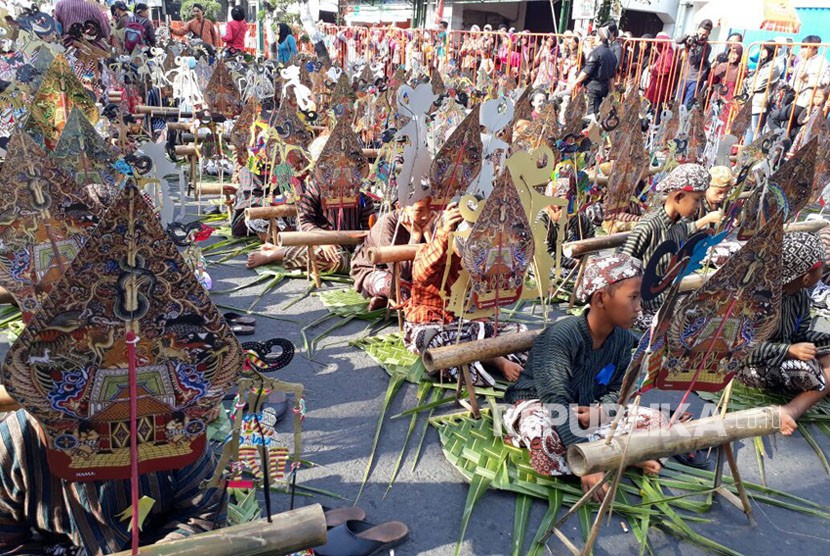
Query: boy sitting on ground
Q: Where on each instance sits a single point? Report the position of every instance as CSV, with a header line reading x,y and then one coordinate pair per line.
x,y
576,366
684,188
407,226
795,359
428,324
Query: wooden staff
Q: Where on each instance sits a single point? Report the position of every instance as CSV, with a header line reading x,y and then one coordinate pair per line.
x,y
371,154
322,237
392,254
275,211
226,189
287,533
465,353
186,150
591,244
7,403
806,226
593,457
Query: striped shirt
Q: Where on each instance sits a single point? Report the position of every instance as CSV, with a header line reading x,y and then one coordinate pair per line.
x,y
578,227
312,217
655,228
85,515
563,368
69,12
794,327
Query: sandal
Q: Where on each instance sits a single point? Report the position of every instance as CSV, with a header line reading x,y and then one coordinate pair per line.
x,y
236,318
338,516
359,538
242,330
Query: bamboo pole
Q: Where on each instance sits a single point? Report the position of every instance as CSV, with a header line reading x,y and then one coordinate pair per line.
x,y
392,254
591,244
275,211
806,226
691,282
204,188
185,150
287,533
7,403
291,239
371,154
603,180
465,353
593,457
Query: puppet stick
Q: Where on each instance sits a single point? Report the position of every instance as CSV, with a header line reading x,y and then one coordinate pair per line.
x,y
593,457
321,237
289,532
807,226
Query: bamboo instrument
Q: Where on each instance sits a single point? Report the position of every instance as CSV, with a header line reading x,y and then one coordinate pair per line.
x,y
288,532
806,226
185,150
275,211
392,254
591,244
203,188
456,355
593,457
292,239
371,154
7,403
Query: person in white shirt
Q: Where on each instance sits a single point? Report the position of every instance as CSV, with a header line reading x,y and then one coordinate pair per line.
x,y
812,72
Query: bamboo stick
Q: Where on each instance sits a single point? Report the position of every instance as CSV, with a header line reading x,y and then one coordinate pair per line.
x,y
185,150
456,355
591,244
289,532
291,239
392,254
7,403
593,457
275,211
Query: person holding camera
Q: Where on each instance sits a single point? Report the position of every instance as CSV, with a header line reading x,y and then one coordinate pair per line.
x,y
696,69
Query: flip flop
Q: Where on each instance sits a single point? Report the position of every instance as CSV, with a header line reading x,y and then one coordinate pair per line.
x,y
242,330
698,460
236,318
359,538
338,516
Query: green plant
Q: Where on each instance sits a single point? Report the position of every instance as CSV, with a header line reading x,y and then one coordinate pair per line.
x,y
212,9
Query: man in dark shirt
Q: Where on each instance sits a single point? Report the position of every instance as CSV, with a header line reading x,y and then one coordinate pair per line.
x,y
614,44
696,69
598,72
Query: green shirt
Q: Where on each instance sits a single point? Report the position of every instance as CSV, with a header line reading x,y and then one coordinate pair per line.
x,y
562,368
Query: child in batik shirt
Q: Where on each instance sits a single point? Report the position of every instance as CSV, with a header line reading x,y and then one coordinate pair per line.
x,y
796,358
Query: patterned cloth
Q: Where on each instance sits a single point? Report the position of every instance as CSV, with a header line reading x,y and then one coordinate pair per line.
x,y
606,270
426,306
802,251
85,515
655,228
768,366
686,177
296,257
563,368
530,425
420,337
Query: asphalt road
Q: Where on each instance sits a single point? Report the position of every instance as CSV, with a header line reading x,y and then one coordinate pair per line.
x,y
345,390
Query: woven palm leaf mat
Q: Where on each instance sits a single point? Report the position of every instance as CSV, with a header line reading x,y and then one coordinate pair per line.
x,y
668,502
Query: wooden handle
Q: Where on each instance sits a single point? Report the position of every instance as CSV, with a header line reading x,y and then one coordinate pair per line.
x,y
436,359
185,150
287,533
293,239
593,457
392,254
276,211
371,154
591,244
